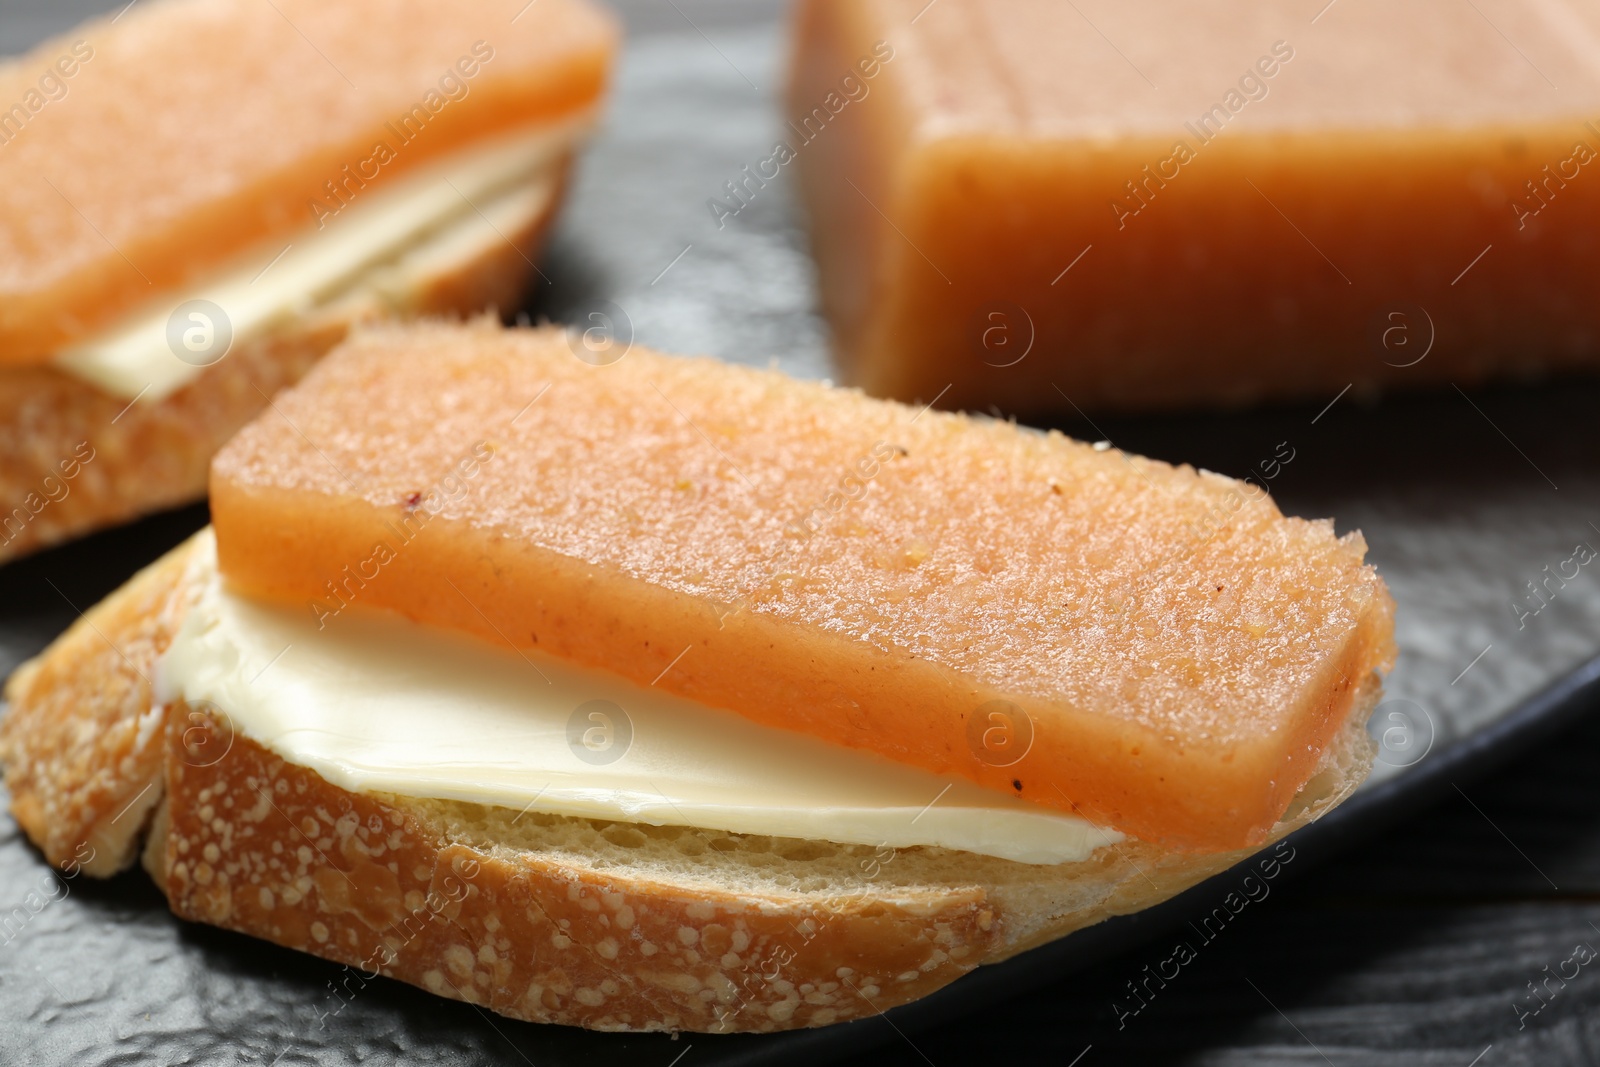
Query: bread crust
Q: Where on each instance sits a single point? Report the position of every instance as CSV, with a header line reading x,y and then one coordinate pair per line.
x,y
540,928
81,740
135,459
271,849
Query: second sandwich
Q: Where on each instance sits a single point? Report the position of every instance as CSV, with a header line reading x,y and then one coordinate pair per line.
x,y
201,196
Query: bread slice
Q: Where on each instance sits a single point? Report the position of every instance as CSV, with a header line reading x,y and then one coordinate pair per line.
x,y
610,926
74,458
219,147
1171,653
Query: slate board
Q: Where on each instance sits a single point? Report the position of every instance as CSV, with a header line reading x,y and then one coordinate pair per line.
x,y
1463,499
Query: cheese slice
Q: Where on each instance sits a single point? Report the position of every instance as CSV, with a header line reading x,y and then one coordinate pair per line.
x,y
328,259
376,703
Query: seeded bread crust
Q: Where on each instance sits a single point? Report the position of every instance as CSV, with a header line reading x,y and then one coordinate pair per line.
x,y
144,457
610,926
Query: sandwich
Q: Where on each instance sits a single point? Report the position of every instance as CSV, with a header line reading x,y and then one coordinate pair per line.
x,y
202,196
666,694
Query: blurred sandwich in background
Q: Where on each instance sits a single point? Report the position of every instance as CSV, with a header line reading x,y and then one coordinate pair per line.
x,y
202,196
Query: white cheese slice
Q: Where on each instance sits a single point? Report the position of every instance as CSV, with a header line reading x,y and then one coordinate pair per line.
x,y
376,703
298,273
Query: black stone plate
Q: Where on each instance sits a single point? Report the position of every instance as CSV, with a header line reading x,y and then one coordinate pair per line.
x,y
1463,499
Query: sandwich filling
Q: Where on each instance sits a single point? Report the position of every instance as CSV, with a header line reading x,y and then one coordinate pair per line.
x,y
474,193
376,703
